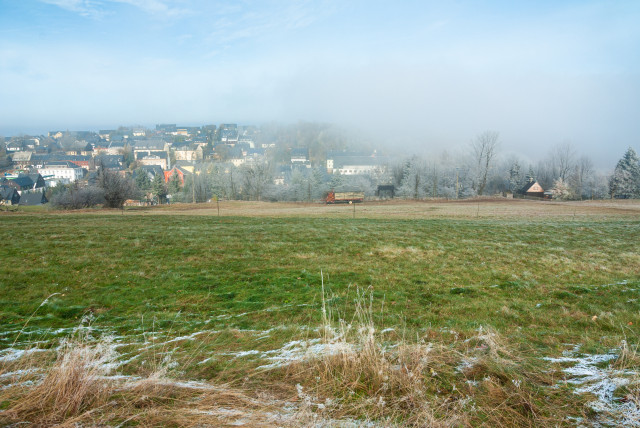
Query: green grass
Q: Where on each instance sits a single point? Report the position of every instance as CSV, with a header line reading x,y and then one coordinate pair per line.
x,y
537,284
432,272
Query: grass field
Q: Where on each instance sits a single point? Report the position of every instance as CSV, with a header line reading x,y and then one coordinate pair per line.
x,y
423,314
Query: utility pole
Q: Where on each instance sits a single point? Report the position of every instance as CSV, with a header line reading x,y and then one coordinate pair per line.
x,y
457,185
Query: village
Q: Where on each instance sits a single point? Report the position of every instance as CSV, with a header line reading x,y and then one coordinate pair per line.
x,y
171,164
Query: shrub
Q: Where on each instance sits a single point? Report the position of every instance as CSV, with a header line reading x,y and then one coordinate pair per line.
x,y
75,198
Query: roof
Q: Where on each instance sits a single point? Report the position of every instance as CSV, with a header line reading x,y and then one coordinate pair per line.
x,y
528,186
154,143
60,157
153,169
34,198
340,161
24,181
21,156
151,155
61,164
8,193
109,161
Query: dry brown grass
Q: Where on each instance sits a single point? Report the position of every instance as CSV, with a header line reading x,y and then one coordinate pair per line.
x,y
76,390
478,380
71,387
486,208
436,208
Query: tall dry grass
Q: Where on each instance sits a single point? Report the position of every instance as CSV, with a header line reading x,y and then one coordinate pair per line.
x,y
77,390
72,386
463,381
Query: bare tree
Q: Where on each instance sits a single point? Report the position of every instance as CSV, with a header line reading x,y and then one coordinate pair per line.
x,y
485,147
117,188
255,179
583,172
563,159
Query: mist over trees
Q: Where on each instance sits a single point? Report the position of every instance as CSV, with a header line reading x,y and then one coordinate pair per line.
x,y
482,169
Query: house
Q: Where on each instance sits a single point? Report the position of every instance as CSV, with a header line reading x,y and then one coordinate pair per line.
x,y
107,161
237,161
34,198
152,171
152,144
85,150
139,132
179,171
38,181
532,189
153,158
24,183
229,133
167,128
349,163
186,131
31,143
114,147
56,134
105,134
22,159
41,160
8,195
62,172
188,152
300,156
15,146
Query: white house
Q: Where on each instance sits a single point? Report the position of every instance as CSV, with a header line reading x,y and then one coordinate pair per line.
x,y
61,172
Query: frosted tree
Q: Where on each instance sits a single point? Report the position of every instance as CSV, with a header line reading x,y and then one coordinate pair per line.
x,y
562,190
414,179
485,148
625,181
515,177
531,176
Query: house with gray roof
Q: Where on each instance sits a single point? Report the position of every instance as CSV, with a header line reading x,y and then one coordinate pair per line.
x,y
34,198
9,195
352,163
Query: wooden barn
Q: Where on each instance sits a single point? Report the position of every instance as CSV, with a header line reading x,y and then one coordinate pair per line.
x,y
532,189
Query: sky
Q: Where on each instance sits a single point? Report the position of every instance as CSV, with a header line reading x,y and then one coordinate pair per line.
x,y
425,75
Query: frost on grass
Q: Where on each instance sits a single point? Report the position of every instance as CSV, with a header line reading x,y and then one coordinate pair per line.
x,y
593,374
300,350
12,354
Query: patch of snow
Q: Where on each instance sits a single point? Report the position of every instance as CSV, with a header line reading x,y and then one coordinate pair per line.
x,y
12,354
300,350
228,316
585,374
191,336
466,363
241,354
190,384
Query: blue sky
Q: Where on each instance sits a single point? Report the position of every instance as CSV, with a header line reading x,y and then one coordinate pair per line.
x,y
426,74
